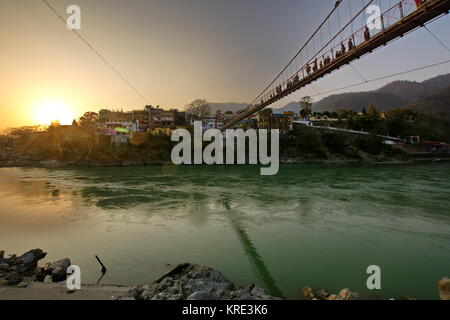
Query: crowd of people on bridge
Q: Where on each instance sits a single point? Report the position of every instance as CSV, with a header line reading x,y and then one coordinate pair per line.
x,y
314,66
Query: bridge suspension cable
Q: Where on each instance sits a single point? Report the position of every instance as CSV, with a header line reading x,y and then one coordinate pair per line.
x,y
402,17
98,54
437,38
298,52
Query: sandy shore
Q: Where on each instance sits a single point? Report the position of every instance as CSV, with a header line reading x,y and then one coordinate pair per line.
x,y
56,291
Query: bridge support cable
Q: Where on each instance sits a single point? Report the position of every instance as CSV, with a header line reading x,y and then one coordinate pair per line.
x,y
437,38
297,54
98,54
400,19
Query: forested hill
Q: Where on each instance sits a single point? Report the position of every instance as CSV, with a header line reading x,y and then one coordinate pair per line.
x,y
394,94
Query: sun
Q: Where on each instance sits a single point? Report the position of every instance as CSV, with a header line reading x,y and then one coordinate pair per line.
x,y
53,110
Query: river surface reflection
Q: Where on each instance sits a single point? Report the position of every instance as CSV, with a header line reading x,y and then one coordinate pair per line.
x,y
311,225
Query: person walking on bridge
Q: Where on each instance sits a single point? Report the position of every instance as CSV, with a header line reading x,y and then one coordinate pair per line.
x,y
342,48
418,3
366,33
350,44
308,68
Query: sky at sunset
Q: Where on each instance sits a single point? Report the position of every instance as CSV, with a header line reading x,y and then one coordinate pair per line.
x,y
174,51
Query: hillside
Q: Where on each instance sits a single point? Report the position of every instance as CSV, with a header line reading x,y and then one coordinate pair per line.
x,y
437,104
356,101
392,95
291,106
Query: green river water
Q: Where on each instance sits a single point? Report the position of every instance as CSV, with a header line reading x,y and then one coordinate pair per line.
x,y
316,225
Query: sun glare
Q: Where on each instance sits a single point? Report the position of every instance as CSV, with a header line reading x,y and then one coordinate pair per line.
x,y
49,111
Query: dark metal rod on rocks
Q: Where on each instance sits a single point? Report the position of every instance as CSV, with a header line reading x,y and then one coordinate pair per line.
x,y
103,266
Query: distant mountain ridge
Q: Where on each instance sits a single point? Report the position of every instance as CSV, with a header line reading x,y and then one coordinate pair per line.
x,y
437,104
402,93
394,94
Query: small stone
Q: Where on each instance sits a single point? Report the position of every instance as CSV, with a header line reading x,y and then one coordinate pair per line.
x,y
166,281
256,291
136,292
243,292
22,285
4,266
333,297
47,279
346,294
322,294
308,293
444,288
201,295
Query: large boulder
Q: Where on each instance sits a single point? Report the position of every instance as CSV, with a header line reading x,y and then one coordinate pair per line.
x,y
444,288
32,256
193,282
27,263
58,270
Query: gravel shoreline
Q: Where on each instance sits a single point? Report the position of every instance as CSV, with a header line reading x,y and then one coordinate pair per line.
x,y
21,278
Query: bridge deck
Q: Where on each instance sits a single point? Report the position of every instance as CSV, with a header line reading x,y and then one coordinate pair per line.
x,y
429,11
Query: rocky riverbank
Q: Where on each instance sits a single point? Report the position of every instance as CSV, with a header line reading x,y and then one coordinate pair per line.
x,y
193,282
184,282
22,278
21,270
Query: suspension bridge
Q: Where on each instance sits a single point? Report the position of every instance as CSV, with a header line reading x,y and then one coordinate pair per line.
x,y
324,52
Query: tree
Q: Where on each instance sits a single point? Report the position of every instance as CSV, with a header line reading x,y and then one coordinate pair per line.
x,y
372,110
198,109
89,118
305,107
